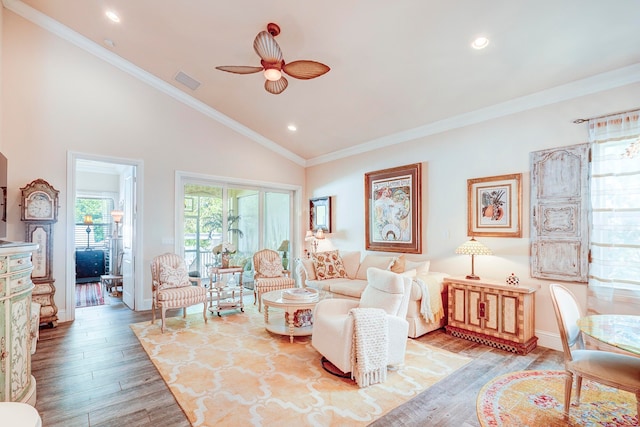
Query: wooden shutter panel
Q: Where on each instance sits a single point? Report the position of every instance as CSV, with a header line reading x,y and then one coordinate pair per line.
x,y
560,213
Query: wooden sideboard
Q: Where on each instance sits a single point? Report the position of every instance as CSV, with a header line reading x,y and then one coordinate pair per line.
x,y
16,382
492,313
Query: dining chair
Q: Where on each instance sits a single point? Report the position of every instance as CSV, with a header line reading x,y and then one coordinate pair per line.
x,y
268,274
172,287
612,369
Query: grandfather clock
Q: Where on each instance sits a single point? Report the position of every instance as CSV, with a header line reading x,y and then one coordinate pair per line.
x,y
39,202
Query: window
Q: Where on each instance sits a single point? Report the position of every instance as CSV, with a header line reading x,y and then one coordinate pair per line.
x,y
250,218
97,232
614,273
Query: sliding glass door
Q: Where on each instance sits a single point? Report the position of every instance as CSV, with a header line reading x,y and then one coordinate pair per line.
x,y
248,219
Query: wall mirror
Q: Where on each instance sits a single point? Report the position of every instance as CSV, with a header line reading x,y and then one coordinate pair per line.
x,y
320,214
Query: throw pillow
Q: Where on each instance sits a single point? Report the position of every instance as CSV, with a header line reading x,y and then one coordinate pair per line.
x,y
173,277
351,261
382,262
309,269
270,268
421,267
328,265
398,265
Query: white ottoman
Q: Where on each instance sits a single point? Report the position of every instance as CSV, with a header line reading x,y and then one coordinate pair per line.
x,y
16,414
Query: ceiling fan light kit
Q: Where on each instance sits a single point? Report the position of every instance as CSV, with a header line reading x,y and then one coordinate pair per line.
x,y
273,63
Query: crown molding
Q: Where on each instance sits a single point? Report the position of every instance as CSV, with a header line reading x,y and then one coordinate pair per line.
x,y
587,86
65,33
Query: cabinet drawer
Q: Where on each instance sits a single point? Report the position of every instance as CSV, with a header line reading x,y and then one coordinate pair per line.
x,y
19,281
19,262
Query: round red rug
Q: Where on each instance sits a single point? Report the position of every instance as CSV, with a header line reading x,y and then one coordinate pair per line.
x,y
536,398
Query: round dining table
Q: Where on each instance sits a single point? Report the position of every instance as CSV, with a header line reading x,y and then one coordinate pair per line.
x,y
619,330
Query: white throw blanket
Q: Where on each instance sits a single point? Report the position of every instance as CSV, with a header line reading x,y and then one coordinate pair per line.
x,y
369,352
425,302
431,303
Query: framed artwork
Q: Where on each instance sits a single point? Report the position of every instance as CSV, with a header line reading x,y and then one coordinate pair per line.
x,y
392,209
320,214
494,206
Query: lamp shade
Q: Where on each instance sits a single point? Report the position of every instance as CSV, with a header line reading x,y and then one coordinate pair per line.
x,y
284,246
88,219
320,234
117,215
308,236
473,247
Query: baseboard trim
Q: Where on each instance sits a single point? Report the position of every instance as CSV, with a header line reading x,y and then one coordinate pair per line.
x,y
549,340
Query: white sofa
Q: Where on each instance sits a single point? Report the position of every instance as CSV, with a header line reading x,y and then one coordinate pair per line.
x,y
351,286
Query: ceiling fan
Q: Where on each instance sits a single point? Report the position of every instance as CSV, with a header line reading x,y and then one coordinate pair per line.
x,y
273,64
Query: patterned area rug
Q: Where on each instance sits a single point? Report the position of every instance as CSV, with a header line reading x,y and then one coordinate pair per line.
x,y
89,294
231,372
536,398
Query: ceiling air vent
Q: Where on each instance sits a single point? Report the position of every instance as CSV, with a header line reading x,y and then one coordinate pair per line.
x,y
186,80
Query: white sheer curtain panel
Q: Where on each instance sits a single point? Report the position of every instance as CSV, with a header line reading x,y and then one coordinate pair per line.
x,y
614,271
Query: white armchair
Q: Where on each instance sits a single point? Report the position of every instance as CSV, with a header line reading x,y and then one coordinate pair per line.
x,y
333,327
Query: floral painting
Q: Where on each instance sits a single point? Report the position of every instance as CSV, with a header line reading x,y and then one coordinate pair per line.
x,y
494,205
392,209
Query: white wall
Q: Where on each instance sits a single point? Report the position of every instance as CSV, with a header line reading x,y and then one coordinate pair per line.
x,y
495,147
58,98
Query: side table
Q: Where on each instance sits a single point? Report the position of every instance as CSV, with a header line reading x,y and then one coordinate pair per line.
x,y
298,320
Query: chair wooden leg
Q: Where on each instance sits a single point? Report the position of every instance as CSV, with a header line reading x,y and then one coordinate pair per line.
x,y
259,298
153,311
184,312
204,312
162,311
578,388
568,385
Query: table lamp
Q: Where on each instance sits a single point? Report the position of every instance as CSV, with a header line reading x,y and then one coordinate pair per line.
x,y
284,248
88,220
473,248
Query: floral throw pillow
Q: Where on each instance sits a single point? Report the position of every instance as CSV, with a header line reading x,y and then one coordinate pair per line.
x,y
328,265
270,268
173,277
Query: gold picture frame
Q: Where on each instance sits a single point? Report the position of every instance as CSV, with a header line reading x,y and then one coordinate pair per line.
x,y
393,209
495,206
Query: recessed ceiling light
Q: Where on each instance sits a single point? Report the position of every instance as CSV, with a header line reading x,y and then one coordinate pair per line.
x,y
112,15
292,128
480,43
109,43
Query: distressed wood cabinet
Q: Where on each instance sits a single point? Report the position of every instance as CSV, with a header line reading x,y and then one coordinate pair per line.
x,y
16,382
560,213
492,313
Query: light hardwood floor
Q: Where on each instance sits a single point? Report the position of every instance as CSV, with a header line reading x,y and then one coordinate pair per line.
x,y
94,372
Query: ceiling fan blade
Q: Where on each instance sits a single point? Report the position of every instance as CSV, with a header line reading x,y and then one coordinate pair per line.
x,y
276,87
239,69
267,48
305,70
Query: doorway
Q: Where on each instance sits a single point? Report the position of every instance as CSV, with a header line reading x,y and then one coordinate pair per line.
x,y
103,229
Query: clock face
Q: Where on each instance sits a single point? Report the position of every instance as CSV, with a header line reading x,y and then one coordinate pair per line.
x,y
39,206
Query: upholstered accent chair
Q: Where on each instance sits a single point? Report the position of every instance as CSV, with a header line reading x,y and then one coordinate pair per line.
x,y
612,369
333,327
173,288
268,274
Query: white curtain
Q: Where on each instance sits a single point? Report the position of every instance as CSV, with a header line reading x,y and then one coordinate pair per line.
x,y
614,271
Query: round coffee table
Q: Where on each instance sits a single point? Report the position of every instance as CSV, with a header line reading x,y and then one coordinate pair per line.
x,y
298,311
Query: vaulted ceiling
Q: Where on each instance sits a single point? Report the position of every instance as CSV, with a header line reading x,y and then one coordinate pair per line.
x,y
399,70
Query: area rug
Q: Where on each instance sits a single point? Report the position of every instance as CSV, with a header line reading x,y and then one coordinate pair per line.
x,y
89,294
536,398
232,372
